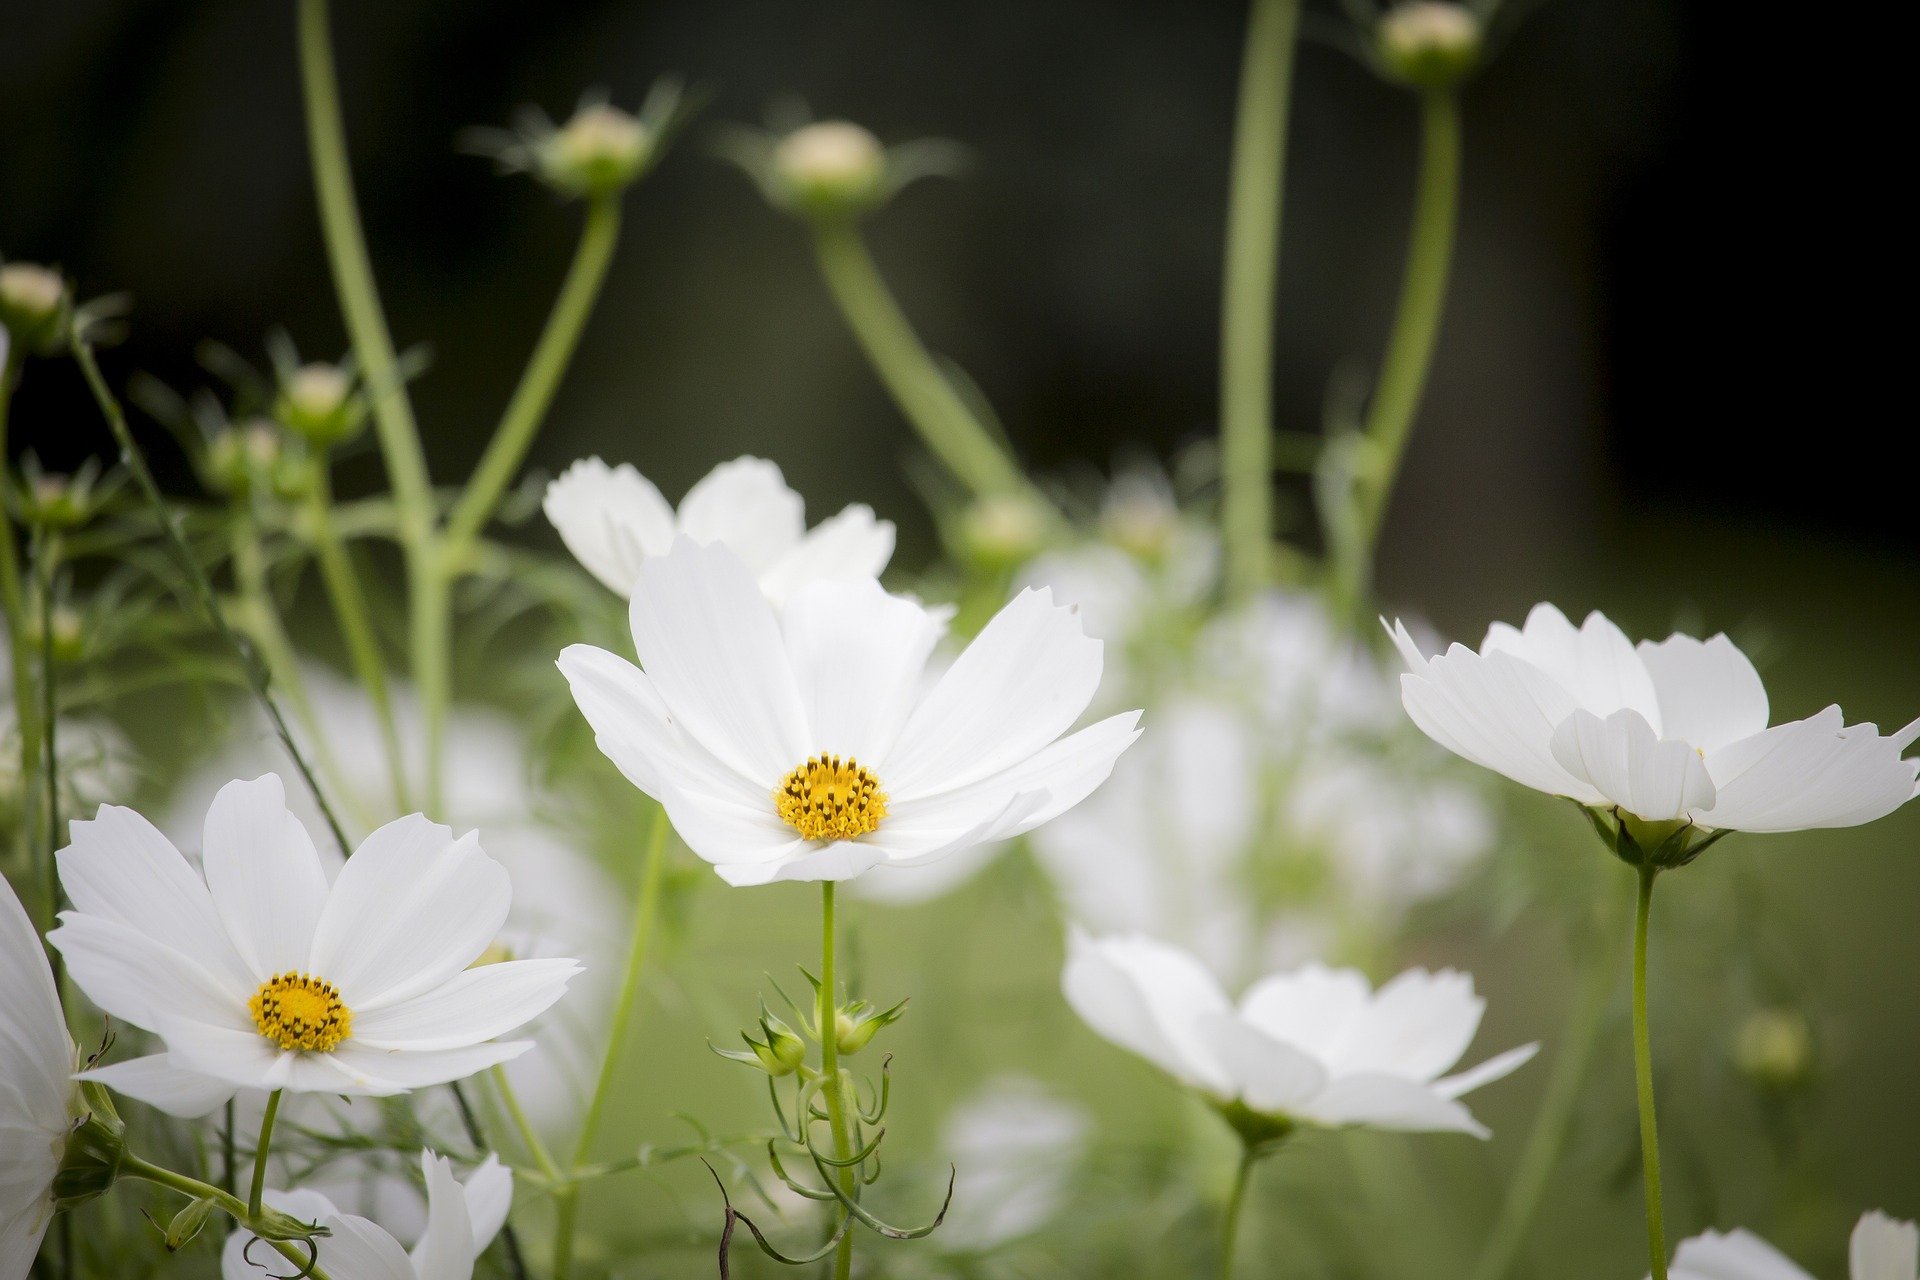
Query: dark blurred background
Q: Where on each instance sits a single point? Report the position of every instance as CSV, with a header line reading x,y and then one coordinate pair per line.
x,y
1657,311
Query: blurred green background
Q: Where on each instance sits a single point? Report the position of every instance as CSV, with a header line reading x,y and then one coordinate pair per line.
x,y
1656,394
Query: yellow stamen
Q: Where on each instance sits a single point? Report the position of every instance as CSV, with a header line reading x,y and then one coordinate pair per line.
x,y
829,798
296,1011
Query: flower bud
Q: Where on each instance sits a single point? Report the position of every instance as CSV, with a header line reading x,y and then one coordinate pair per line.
x,y
831,169
1774,1049
276,1224
95,1147
238,457
600,150
187,1223
317,402
33,306
69,634
1139,516
854,1025
1430,44
1003,530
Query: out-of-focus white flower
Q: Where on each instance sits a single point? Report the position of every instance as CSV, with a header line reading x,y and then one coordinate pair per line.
x,y
461,1221
1668,732
806,744
613,519
1015,1147
1307,679
1318,1046
563,903
36,1095
255,972
1881,1249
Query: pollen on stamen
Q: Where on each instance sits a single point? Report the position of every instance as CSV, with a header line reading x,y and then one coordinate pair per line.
x,y
300,1012
830,798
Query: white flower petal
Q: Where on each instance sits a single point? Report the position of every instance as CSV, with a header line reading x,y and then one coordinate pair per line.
x,y
1597,664
158,1082
633,728
1416,1026
858,655
1267,1075
120,867
842,860
746,506
1883,1248
1313,1008
357,1249
730,829
1150,998
35,1053
1736,1255
845,548
304,1206
264,874
390,1071
138,980
1497,1067
708,640
1621,758
240,1056
1390,1102
477,1005
489,1193
1023,681
446,1251
1817,772
610,519
411,908
1709,693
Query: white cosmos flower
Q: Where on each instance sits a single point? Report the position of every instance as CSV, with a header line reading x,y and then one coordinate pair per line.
x,y
257,973
1881,1249
613,519
1015,1146
1664,732
36,1095
807,745
1316,1046
461,1221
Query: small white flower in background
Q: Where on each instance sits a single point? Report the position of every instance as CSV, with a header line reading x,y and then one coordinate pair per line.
x,y
1317,1046
563,903
1668,732
1307,679
1015,1146
257,973
461,1221
613,520
36,1092
807,744
1881,1249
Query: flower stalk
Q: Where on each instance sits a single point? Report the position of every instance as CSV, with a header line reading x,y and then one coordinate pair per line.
x,y
833,1080
261,1149
1247,296
1236,1201
1643,1078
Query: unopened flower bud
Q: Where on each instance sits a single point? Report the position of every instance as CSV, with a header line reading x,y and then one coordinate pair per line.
x,y
855,1025
1429,43
95,1147
187,1223
1774,1049
1139,517
69,635
277,1224
33,305
834,168
318,403
598,151
1003,530
238,456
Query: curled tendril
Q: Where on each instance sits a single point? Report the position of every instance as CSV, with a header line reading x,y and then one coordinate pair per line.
x,y
759,1237
882,1096
874,1224
306,1269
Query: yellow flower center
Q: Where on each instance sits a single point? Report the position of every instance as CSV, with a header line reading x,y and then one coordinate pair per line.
x,y
828,798
297,1011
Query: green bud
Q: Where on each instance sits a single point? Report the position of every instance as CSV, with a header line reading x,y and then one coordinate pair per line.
x,y
1139,517
69,634
831,169
783,1042
1430,44
317,402
187,1223
855,1025
1002,531
1774,1049
273,1224
1258,1130
95,1148
34,306
599,151
1640,842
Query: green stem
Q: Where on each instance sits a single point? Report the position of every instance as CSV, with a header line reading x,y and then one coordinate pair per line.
x,y
1643,1079
356,628
826,1017
646,911
430,628
260,1152
1552,1123
46,556
1251,273
924,393
531,398
353,279
529,1136
132,1166
1416,322
255,671
13,601
1236,1200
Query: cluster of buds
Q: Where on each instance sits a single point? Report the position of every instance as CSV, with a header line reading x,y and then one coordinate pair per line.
x,y
780,1050
1429,44
35,307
